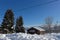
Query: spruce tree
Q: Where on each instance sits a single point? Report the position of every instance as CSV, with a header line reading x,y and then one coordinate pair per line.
x,y
8,21
19,25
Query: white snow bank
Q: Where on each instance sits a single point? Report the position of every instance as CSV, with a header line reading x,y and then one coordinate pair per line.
x,y
24,36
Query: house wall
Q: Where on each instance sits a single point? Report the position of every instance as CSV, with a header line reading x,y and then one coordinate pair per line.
x,y
31,31
42,32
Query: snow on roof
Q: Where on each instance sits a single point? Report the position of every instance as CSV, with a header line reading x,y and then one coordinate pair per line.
x,y
39,28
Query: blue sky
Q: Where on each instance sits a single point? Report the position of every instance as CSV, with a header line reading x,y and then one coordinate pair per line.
x,y
34,12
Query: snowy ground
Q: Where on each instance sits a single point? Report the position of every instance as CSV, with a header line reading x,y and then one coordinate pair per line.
x,y
24,36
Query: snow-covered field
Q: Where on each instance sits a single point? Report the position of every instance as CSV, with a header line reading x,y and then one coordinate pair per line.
x,y
24,36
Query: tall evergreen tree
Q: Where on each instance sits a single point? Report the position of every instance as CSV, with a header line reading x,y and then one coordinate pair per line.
x,y
8,21
19,25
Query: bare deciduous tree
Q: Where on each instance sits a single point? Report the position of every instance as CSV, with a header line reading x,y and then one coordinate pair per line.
x,y
48,22
56,27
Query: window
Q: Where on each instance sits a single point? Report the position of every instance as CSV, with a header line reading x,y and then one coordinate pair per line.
x,y
32,30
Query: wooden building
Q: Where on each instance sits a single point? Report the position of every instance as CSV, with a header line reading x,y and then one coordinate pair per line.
x,y
35,30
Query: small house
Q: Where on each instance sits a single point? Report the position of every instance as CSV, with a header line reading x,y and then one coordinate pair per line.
x,y
36,30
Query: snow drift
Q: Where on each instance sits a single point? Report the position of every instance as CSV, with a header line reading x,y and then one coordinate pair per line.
x,y
25,36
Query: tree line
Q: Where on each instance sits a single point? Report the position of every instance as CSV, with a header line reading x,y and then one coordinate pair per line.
x,y
7,25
